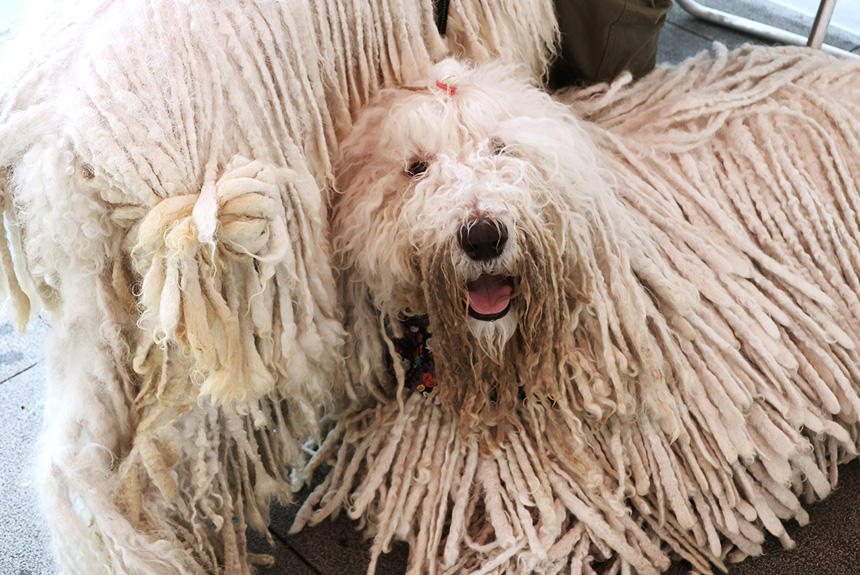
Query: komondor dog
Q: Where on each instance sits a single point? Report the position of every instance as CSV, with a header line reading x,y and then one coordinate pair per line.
x,y
583,335
594,333
163,168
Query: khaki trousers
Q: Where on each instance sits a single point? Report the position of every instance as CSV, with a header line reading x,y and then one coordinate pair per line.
x,y
602,38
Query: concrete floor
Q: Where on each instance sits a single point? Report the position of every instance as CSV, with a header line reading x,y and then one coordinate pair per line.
x,y
335,548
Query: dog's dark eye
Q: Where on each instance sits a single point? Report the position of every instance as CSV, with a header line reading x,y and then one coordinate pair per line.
x,y
416,168
497,146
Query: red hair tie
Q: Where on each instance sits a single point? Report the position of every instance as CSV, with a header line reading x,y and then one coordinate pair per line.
x,y
450,89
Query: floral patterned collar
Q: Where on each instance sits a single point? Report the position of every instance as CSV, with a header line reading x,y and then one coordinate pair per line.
x,y
416,356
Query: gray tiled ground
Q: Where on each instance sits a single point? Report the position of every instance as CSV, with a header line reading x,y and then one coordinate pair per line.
x,y
23,533
335,547
19,351
287,561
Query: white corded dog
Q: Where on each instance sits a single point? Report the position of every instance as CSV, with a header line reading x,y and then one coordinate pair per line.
x,y
631,354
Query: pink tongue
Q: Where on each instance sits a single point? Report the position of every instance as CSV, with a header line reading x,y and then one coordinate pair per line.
x,y
489,295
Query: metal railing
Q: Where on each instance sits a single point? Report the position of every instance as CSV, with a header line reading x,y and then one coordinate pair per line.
x,y
768,32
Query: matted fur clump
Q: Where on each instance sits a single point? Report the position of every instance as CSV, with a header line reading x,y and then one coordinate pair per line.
x,y
671,368
163,168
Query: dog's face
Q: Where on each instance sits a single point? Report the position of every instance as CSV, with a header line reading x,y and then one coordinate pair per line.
x,y
471,207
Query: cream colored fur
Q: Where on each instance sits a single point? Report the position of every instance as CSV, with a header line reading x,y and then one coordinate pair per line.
x,y
682,374
163,168
164,177
497,148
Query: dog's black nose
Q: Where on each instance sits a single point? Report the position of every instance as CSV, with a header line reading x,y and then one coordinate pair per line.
x,y
483,239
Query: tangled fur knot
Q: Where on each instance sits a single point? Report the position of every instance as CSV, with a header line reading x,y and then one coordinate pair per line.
x,y
670,269
183,292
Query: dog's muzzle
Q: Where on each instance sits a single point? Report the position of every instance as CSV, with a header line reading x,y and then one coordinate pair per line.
x,y
482,240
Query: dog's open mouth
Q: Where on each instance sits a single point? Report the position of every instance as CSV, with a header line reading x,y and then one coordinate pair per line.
x,y
490,297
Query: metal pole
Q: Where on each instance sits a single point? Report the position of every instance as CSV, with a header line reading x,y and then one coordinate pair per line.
x,y
765,31
822,21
